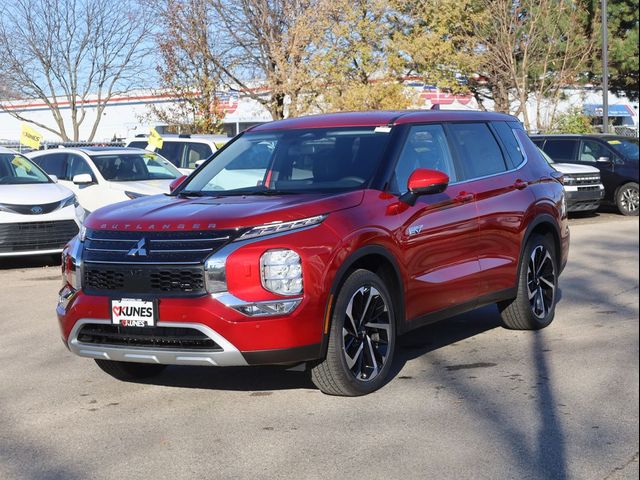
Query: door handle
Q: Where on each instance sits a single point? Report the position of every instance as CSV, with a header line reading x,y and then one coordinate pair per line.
x,y
520,184
464,197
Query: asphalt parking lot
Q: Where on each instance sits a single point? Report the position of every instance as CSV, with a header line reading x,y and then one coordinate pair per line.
x,y
468,400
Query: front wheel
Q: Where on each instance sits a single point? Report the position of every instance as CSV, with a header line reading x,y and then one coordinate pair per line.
x,y
628,200
361,340
535,302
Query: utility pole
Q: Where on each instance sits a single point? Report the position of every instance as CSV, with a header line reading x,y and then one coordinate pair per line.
x,y
605,70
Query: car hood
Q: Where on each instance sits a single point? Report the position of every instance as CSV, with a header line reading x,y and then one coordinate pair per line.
x,y
572,168
144,187
33,194
175,213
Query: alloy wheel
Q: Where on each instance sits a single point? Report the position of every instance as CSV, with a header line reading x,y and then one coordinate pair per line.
x,y
629,200
541,282
366,333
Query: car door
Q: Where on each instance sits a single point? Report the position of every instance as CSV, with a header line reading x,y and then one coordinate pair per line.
x,y
438,234
89,195
490,173
590,152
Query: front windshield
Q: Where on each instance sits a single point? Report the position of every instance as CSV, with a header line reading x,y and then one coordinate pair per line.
x,y
131,167
18,170
293,161
546,157
628,148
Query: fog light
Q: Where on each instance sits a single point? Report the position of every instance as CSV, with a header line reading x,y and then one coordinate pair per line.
x,y
281,272
265,309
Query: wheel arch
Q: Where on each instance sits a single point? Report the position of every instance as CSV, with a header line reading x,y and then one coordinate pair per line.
x,y
545,225
379,260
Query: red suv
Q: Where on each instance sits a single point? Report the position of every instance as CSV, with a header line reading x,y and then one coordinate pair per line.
x,y
319,240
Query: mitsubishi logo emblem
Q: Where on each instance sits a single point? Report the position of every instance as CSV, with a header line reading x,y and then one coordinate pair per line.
x,y
139,250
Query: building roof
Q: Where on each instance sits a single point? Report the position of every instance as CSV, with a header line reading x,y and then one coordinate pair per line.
x,y
380,118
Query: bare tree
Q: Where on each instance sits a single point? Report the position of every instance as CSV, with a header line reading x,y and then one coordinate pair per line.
x,y
272,42
66,53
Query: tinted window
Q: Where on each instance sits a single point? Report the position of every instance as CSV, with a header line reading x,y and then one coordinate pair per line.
x,y
480,152
53,164
304,160
511,145
426,147
627,147
195,152
591,151
76,165
561,150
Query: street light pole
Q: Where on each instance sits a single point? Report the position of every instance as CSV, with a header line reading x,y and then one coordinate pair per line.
x,y
605,70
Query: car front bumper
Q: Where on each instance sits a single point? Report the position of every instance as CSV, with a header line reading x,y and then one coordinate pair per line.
x,y
582,199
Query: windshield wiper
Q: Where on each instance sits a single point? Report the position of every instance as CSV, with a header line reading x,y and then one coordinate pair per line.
x,y
191,193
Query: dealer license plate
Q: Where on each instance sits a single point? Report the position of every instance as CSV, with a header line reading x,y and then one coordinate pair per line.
x,y
133,312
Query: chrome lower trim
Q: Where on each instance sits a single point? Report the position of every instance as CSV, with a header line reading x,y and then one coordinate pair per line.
x,y
228,357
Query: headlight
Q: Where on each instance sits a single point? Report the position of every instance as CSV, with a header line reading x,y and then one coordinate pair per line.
x,y
281,272
278,227
568,180
134,195
71,263
67,202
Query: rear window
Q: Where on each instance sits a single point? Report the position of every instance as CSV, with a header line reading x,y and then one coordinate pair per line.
x,y
561,150
480,152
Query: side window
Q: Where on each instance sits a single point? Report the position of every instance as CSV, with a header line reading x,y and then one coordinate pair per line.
x,y
480,152
561,150
195,152
591,151
77,165
172,151
53,164
426,147
511,145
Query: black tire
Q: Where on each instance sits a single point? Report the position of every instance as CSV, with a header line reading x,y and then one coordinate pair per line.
x,y
527,312
130,370
627,199
366,296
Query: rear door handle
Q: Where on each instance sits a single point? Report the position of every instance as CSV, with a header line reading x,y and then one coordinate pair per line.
x,y
520,184
464,197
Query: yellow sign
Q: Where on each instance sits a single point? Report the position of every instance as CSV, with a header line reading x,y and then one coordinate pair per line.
x,y
155,140
21,162
29,137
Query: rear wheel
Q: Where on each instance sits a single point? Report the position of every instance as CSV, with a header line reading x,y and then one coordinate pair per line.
x,y
361,339
535,303
130,370
628,200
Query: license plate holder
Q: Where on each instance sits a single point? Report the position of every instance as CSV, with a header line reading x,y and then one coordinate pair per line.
x,y
133,312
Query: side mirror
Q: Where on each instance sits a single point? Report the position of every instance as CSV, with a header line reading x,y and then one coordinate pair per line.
x,y
176,183
200,162
603,160
54,178
82,179
424,182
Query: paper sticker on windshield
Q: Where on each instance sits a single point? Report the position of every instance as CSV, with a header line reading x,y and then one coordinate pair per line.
x,y
614,142
385,129
21,162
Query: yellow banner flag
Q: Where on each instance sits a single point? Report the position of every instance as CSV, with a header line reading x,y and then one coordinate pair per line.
x,y
29,137
155,140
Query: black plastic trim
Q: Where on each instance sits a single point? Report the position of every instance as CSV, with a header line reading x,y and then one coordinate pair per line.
x,y
285,356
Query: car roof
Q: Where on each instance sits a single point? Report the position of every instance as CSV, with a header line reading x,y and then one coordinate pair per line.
x,y
174,137
6,150
96,150
601,136
380,118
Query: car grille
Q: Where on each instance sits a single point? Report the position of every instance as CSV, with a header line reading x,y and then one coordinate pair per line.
x,y
164,280
35,209
586,179
34,236
191,247
155,337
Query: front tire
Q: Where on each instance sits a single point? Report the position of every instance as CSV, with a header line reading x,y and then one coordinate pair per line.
x,y
361,340
130,370
535,302
628,200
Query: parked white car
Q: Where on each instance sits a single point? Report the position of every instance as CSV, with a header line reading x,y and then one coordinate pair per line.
x,y
101,176
583,187
185,151
37,215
